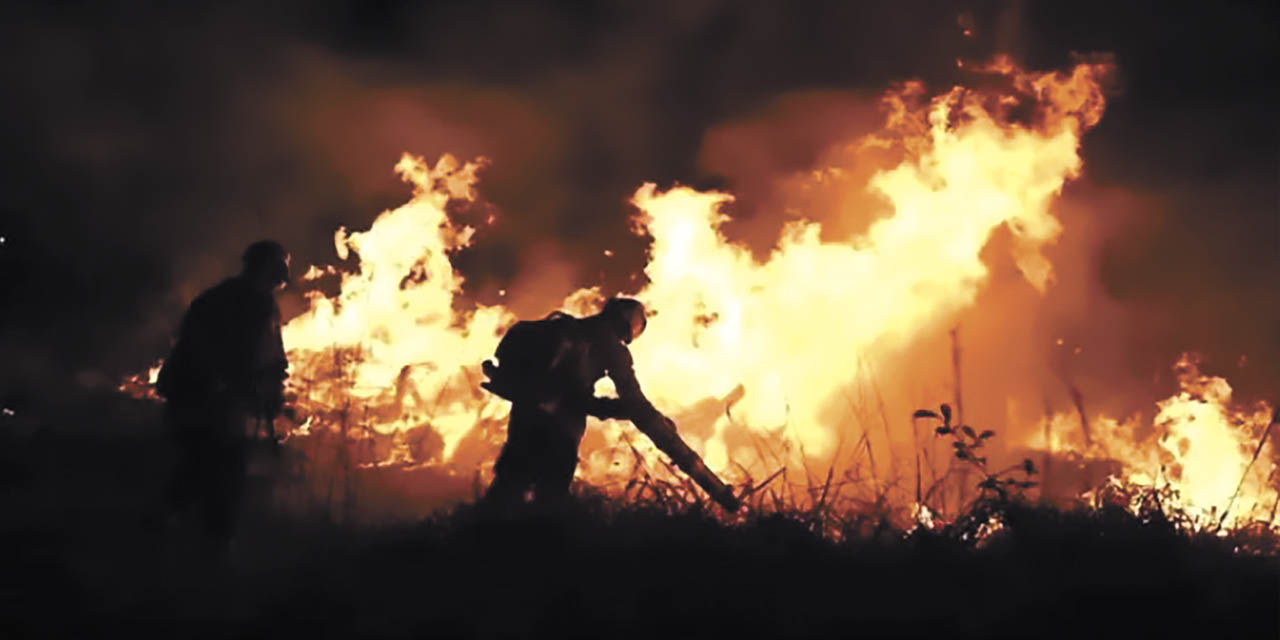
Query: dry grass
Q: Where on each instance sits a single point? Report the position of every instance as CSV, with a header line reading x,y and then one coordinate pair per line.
x,y
815,554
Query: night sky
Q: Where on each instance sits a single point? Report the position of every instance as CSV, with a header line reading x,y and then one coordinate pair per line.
x,y
143,148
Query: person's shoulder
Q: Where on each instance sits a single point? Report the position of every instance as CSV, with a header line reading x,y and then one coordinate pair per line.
x,y
561,319
587,327
606,343
234,286
209,297
556,323
234,293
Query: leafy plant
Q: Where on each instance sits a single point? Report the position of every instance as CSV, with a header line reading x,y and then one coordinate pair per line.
x,y
967,445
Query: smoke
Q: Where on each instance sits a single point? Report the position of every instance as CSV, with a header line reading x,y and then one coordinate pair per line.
x,y
144,148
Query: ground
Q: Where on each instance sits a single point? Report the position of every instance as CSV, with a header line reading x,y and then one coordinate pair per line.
x,y
86,557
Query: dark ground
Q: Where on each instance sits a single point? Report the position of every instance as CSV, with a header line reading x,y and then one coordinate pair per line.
x,y
81,563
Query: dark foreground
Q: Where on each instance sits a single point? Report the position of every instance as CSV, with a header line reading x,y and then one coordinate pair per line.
x,y
81,560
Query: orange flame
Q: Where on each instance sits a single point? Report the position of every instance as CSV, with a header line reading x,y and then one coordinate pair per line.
x,y
753,358
1212,454
142,386
388,353
739,350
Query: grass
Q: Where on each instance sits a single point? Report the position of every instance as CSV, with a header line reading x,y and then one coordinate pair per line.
x,y
660,564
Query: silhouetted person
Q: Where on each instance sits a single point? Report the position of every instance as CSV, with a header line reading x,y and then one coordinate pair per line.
x,y
222,380
548,370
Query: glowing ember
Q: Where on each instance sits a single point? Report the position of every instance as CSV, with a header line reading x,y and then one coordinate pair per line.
x,y
141,385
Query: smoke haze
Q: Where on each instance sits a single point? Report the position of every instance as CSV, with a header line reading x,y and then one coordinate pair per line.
x,y
144,148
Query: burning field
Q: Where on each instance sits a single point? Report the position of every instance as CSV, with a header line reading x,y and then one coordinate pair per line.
x,y
976,356
801,367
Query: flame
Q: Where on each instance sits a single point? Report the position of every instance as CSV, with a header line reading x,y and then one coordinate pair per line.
x,y
1211,454
142,386
739,350
753,357
389,354
791,329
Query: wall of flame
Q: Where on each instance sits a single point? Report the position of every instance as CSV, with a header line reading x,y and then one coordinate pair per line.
x,y
802,359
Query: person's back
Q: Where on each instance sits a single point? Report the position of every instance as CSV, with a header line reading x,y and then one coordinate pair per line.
x,y
228,347
558,360
552,392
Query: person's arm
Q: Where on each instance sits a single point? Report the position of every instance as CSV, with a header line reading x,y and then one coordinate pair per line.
x,y
662,431
271,366
631,402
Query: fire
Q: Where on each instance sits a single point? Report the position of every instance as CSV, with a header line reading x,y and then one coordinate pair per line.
x,y
140,385
389,354
1213,455
739,350
791,330
754,358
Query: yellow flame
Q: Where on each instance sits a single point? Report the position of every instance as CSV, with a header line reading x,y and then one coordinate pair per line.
x,y
142,386
1199,445
389,353
747,355
752,358
739,349
791,329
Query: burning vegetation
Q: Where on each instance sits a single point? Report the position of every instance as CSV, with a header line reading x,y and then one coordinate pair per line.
x,y
792,374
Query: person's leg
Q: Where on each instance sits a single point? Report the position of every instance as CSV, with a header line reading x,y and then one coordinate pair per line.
x,y
224,490
183,488
556,467
182,481
513,472
220,469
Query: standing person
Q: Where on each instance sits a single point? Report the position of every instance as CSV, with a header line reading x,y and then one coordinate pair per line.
x,y
223,377
548,370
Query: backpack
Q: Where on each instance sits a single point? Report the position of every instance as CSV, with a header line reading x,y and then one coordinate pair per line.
x,y
182,379
534,358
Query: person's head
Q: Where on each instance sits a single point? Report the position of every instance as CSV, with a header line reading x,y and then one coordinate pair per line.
x,y
266,263
626,317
